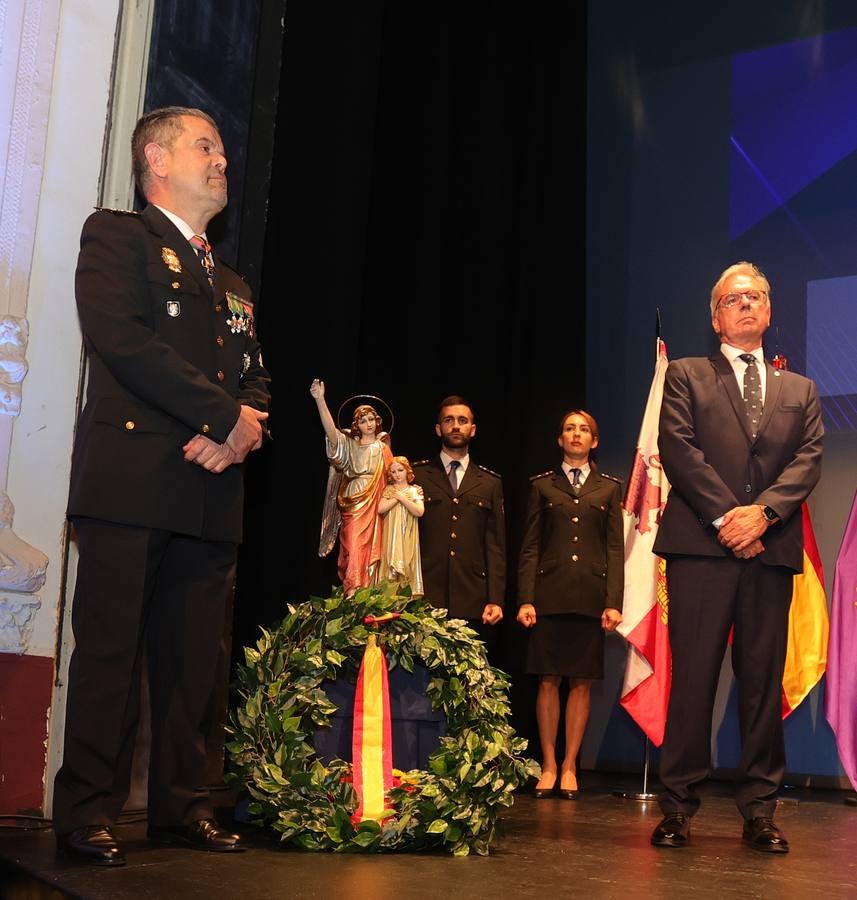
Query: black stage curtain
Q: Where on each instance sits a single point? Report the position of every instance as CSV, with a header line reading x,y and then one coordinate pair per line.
x,y
425,237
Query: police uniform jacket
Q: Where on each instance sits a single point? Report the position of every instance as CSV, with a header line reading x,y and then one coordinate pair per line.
x,y
169,358
462,539
572,557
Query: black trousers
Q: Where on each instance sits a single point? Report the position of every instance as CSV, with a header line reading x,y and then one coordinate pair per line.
x,y
142,597
707,597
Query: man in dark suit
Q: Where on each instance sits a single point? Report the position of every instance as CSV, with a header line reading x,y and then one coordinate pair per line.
x,y
176,399
741,445
463,529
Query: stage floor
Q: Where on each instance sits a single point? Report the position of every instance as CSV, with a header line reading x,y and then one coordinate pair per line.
x,y
594,847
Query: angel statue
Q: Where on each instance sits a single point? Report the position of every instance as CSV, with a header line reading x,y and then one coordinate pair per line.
x,y
359,458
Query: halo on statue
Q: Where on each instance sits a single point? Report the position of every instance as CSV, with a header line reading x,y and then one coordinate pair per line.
x,y
348,406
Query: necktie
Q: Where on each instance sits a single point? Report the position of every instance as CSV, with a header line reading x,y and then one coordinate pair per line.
x,y
453,476
752,392
203,251
576,482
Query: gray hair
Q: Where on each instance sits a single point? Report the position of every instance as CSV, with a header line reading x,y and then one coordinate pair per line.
x,y
738,268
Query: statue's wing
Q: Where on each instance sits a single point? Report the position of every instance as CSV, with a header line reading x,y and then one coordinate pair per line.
x,y
331,518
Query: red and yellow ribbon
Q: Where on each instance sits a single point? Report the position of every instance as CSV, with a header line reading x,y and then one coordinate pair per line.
x,y
372,738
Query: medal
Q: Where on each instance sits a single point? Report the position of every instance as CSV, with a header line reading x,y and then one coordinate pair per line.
x,y
170,257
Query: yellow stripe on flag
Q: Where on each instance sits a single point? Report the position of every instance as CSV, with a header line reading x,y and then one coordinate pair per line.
x,y
806,654
372,753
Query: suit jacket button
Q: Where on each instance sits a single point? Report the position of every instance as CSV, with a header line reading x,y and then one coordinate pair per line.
x,y
176,285
455,499
747,488
219,340
220,376
575,539
206,429
218,308
130,426
576,500
453,535
455,518
574,557
575,519
452,552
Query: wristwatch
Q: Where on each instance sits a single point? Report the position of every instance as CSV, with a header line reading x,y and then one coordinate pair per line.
x,y
769,514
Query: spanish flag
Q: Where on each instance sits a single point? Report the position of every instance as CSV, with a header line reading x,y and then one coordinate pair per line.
x,y
806,654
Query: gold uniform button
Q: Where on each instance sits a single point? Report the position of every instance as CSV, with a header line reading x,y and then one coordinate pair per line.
x,y
575,539
130,426
576,500
452,552
575,519
574,557
453,535
220,376
455,518
219,340
176,285
455,499
218,308
205,429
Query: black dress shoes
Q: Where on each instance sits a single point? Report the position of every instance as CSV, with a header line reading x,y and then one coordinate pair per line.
x,y
672,831
762,834
204,834
93,844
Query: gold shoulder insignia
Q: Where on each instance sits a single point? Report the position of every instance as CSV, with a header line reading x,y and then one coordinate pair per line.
x,y
611,477
542,475
119,212
420,462
489,471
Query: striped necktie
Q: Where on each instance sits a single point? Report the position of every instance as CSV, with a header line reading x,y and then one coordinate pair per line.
x,y
203,251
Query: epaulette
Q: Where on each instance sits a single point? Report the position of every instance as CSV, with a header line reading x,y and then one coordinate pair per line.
x,y
542,474
489,471
611,477
420,462
119,212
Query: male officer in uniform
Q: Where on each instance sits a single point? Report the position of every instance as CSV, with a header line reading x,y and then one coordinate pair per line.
x,y
176,400
463,529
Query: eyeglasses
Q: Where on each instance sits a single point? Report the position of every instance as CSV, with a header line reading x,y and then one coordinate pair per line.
x,y
754,298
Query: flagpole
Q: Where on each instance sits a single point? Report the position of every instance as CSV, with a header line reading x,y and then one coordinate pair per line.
x,y
643,796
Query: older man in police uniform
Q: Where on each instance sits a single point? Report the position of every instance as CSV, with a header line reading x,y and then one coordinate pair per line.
x,y
176,399
463,529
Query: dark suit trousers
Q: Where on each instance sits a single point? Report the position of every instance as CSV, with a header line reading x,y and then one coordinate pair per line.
x,y
706,596
150,595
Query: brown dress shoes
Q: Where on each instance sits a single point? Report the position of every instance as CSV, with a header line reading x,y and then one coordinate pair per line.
x,y
204,834
93,844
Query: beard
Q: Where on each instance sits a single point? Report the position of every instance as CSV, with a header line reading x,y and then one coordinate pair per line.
x,y
454,441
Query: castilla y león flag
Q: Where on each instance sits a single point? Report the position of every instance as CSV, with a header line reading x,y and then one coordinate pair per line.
x,y
648,670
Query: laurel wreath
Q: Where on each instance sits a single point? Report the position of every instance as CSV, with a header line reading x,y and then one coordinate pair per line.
x,y
471,777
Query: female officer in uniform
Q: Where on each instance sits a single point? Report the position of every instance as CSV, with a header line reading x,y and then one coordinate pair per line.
x,y
570,585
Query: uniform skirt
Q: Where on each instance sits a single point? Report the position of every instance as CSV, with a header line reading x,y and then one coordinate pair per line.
x,y
566,644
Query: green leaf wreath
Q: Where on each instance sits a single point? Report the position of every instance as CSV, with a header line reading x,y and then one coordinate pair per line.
x,y
472,775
